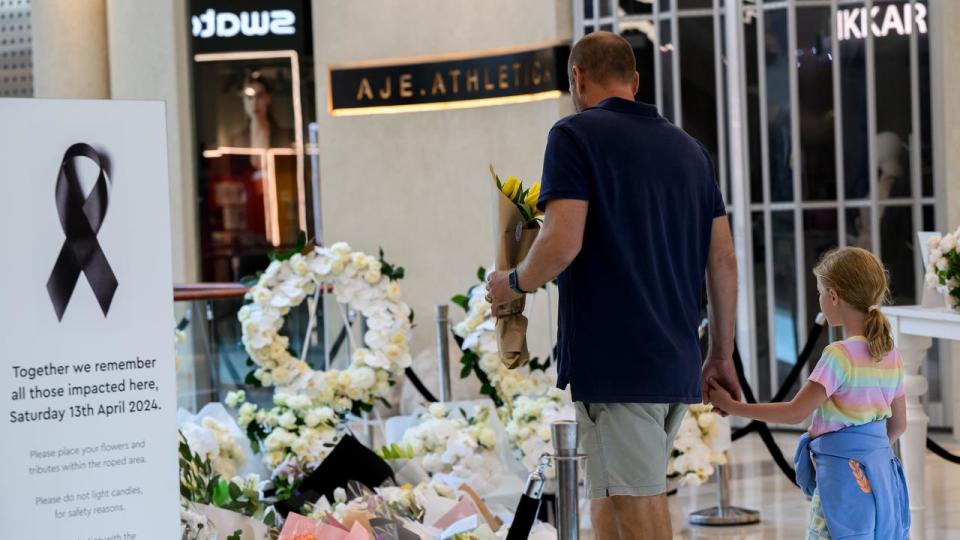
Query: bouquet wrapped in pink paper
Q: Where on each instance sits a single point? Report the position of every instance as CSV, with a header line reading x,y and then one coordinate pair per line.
x,y
516,225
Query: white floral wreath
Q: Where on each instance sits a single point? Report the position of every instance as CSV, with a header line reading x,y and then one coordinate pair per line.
x,y
358,283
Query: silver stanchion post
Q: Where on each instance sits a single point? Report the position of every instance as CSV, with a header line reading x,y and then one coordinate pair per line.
x,y
443,353
723,513
567,463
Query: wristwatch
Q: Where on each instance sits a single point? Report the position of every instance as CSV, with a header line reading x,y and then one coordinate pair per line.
x,y
514,283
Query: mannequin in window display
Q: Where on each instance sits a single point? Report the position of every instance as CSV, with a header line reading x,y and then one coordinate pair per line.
x,y
240,183
892,181
260,129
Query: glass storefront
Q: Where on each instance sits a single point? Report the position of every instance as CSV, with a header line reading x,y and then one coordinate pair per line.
x,y
836,106
253,89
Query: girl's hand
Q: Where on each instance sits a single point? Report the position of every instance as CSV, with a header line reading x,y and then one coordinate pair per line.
x,y
721,398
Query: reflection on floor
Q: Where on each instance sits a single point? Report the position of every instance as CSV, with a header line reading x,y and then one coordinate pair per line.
x,y
758,484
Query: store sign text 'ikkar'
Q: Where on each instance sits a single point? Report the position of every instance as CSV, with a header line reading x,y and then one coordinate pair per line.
x,y
896,19
210,23
461,81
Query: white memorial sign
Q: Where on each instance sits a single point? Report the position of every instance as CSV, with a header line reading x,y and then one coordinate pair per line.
x,y
87,377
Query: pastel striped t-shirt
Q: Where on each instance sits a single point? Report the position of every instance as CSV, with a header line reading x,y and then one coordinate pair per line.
x,y
859,388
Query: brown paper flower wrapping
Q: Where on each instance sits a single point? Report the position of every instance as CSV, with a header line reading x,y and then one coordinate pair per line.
x,y
513,242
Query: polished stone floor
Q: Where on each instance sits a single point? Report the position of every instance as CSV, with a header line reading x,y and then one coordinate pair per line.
x,y
758,484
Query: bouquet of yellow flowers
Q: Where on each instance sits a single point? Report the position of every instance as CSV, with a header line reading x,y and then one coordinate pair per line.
x,y
524,199
517,223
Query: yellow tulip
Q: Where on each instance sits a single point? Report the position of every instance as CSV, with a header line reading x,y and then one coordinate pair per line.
x,y
533,196
511,187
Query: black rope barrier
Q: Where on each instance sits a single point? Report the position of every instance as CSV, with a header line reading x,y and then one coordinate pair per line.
x,y
802,360
942,452
761,427
418,384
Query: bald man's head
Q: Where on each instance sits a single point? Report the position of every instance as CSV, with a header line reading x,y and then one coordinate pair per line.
x,y
602,65
604,57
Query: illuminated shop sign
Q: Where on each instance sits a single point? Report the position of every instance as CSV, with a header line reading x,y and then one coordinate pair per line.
x,y
896,19
210,23
249,25
461,81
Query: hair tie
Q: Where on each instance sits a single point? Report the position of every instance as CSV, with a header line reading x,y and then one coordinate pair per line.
x,y
874,307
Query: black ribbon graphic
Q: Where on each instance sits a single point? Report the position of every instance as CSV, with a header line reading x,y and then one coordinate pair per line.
x,y
81,218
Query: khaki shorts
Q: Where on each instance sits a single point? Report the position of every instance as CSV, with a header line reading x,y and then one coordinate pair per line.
x,y
628,446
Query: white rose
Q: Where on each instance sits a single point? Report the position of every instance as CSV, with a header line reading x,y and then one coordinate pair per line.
x,y
942,264
201,441
948,242
299,402
933,242
707,419
932,280
287,420
488,437
935,255
364,378
235,398
437,410
489,362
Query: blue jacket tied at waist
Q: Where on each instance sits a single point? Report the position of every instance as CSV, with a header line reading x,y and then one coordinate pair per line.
x,y
862,488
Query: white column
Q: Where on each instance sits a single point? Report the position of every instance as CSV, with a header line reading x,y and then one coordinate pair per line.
x,y
150,59
70,49
944,18
913,444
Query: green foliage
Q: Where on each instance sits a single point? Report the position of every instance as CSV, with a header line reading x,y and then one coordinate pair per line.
x,y
284,489
303,246
952,272
470,363
393,273
199,483
536,365
461,300
395,451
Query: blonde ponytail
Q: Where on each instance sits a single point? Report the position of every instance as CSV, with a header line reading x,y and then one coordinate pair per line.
x,y
876,329
860,279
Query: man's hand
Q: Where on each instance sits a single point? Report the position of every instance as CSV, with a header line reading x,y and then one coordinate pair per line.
x,y
499,292
724,375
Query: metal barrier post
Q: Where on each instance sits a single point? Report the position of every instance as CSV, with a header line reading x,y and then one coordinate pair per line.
x,y
567,462
443,352
723,513
834,333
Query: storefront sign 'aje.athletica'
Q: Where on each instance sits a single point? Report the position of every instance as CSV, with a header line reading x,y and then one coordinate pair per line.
x,y
456,81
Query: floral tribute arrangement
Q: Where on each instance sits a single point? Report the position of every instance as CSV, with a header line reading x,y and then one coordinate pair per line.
x,y
308,405
481,355
527,398
305,421
459,445
943,267
213,441
528,401
695,449
204,493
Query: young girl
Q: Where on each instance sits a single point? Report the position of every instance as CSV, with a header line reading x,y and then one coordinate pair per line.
x,y
856,396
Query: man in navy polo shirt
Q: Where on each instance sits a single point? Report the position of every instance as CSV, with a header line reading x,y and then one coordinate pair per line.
x,y
634,225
